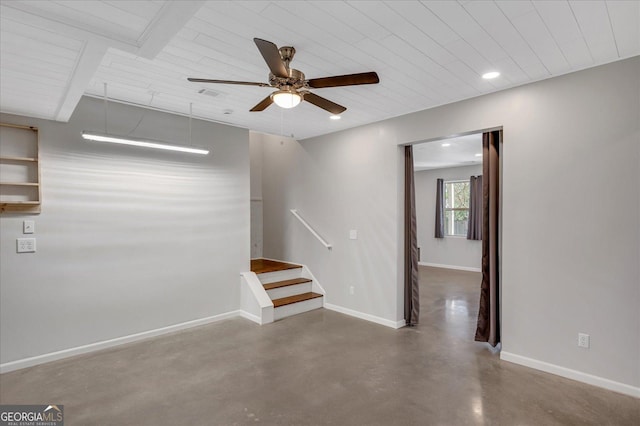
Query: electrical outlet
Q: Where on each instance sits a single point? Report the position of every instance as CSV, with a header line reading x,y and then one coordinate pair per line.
x,y
26,245
352,290
583,340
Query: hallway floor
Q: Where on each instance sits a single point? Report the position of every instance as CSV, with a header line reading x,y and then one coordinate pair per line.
x,y
319,368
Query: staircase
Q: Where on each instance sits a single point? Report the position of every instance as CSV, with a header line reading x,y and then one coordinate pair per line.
x,y
290,292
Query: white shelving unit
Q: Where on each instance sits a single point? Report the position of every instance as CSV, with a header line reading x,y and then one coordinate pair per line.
x,y
19,169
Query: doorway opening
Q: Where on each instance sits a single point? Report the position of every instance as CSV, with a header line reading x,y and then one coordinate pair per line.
x,y
448,189
453,161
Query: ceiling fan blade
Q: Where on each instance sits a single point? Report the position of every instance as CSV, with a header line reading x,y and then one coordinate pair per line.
x,y
271,56
244,83
344,80
323,103
263,104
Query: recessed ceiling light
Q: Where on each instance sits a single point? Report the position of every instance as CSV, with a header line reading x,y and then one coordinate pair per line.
x,y
334,117
490,75
478,155
446,144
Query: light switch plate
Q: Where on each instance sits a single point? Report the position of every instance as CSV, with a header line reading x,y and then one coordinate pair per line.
x,y
28,227
353,234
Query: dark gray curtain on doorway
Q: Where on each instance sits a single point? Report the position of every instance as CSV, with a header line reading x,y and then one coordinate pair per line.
x,y
474,228
439,231
488,329
411,289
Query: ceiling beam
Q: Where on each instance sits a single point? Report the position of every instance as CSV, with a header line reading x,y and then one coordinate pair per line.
x,y
165,25
29,13
86,65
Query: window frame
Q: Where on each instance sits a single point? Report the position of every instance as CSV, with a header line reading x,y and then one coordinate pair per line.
x,y
454,209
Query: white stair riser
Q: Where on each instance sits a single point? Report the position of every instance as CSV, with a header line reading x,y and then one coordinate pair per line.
x,y
290,290
287,274
297,308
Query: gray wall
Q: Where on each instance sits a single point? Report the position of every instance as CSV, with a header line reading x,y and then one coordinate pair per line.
x,y
343,182
571,233
255,151
129,239
448,251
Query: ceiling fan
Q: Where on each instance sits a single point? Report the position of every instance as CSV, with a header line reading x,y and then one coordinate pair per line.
x,y
291,83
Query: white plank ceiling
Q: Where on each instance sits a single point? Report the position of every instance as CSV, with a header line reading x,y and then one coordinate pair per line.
x,y
427,53
452,152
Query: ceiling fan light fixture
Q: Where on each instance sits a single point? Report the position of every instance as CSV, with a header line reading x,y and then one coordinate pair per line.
x,y
286,98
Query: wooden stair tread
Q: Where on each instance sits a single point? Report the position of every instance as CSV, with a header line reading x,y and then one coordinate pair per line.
x,y
295,299
285,283
262,266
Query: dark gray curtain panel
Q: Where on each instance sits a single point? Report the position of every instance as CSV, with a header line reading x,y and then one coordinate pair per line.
x,y
411,288
488,328
439,231
474,228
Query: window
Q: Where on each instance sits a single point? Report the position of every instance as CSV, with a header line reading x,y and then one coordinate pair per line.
x,y
456,208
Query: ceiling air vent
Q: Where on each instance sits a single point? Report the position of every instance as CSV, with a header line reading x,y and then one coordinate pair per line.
x,y
209,92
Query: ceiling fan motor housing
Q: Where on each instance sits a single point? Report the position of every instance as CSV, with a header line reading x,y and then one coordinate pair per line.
x,y
295,80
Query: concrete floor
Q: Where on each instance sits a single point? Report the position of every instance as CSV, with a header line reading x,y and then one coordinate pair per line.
x,y
319,368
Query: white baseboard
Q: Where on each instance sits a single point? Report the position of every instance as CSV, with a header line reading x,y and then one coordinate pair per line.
x,y
459,268
368,317
571,374
250,317
65,353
